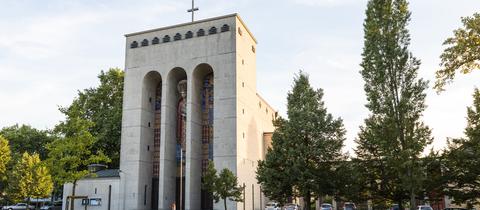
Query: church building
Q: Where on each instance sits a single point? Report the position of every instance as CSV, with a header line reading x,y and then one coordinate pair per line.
x,y
190,97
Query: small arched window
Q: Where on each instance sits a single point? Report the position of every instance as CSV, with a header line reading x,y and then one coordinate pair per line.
x,y
212,30
166,38
134,44
201,32
177,37
144,43
225,28
189,35
155,40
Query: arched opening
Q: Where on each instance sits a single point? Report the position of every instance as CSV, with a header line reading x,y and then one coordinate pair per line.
x,y
204,95
152,100
176,117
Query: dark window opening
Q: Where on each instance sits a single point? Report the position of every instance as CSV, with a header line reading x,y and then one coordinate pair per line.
x,y
134,44
144,43
225,28
177,37
155,40
201,32
189,35
212,30
166,38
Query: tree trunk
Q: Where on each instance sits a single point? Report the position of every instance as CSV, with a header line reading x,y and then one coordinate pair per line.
x,y
28,203
72,206
412,200
225,203
400,205
307,201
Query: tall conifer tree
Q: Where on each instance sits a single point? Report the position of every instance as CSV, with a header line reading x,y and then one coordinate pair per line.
x,y
393,137
306,147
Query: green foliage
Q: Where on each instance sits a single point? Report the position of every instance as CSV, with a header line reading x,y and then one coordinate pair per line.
x,y
306,148
30,178
102,106
393,137
70,154
4,157
462,52
463,159
223,185
25,138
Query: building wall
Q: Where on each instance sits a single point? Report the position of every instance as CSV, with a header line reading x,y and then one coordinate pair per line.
x,y
255,117
86,187
241,116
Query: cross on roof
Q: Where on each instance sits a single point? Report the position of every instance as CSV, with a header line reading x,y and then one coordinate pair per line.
x,y
193,9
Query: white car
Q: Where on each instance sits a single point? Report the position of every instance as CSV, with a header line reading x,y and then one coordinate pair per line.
x,y
273,206
326,206
424,207
18,206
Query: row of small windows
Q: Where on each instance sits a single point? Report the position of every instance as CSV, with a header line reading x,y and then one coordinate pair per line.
x,y
178,36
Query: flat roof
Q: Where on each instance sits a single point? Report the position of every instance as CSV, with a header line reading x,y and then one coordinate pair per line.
x,y
195,22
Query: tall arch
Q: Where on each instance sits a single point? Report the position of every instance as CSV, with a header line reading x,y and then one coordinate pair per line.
x,y
202,98
151,103
172,147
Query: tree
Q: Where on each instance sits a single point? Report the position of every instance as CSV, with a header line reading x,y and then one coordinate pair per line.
x,y
4,156
462,52
223,186
393,137
30,178
4,161
306,147
70,154
102,106
272,173
24,138
463,160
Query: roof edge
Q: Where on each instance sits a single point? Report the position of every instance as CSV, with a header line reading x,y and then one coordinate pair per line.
x,y
181,24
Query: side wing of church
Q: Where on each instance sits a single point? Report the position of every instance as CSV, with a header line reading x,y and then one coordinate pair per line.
x,y
190,97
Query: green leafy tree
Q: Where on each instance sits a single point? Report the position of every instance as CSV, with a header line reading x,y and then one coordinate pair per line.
x,y
306,147
102,105
4,156
393,137
70,154
223,186
24,138
30,178
463,160
462,53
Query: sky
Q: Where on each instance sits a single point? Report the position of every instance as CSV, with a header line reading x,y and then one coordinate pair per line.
x,y
51,49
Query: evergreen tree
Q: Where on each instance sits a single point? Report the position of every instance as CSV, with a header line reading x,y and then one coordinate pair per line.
x,y
463,160
306,147
393,137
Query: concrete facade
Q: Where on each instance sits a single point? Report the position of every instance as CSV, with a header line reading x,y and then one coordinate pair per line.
x,y
241,116
242,120
105,189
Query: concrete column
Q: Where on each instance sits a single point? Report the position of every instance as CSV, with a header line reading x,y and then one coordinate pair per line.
x,y
194,144
167,178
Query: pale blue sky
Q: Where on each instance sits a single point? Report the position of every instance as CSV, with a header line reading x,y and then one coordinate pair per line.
x,y
50,49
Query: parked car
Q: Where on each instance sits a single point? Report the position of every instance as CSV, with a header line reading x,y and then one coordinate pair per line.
x,y
350,206
291,206
455,209
395,207
273,206
424,207
18,206
52,206
326,206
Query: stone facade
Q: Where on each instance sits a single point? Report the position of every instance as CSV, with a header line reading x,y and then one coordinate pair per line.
x,y
221,48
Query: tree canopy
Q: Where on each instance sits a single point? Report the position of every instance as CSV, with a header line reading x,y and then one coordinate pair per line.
x,y
306,147
102,106
4,156
393,136
223,186
462,53
463,160
25,138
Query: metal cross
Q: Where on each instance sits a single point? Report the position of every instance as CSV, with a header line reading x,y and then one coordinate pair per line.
x,y
193,9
